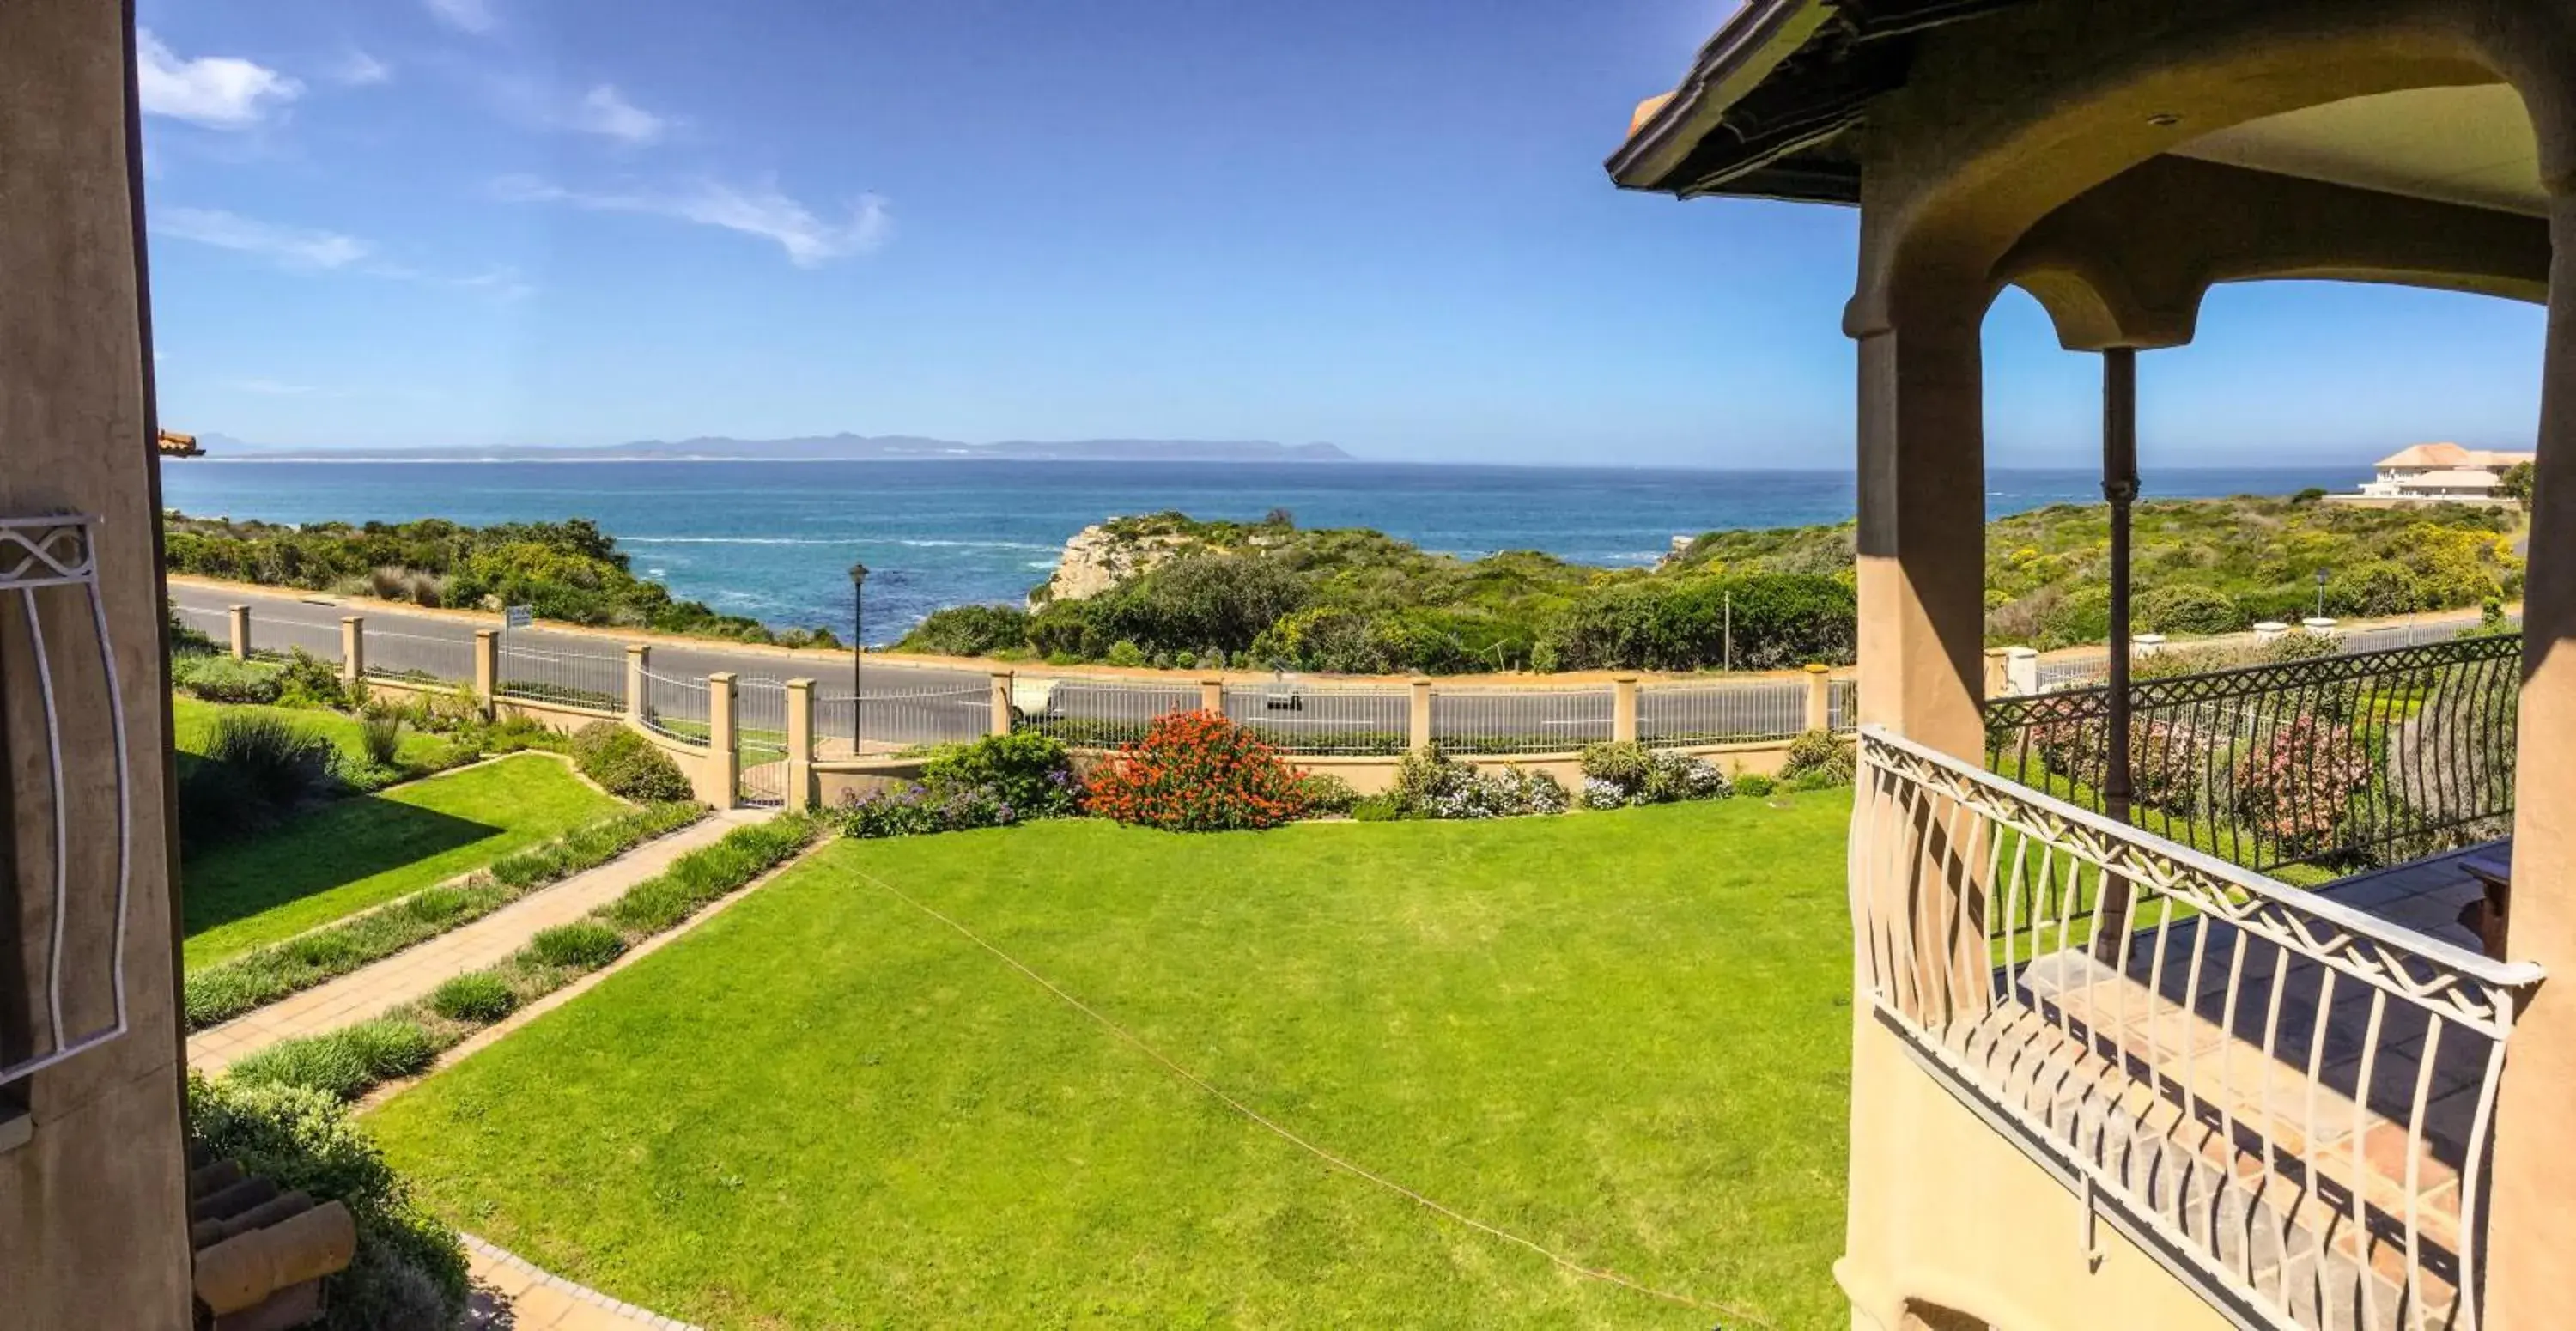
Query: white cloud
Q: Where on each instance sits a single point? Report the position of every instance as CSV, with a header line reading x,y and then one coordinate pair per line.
x,y
473,16
763,211
605,111
359,70
295,247
218,92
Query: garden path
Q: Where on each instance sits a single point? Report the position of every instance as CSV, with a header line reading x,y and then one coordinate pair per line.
x,y
412,973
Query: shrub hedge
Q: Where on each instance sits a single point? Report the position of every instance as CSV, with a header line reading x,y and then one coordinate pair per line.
x,y
626,764
1195,772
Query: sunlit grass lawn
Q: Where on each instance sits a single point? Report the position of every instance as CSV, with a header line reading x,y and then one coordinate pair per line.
x,y
1622,1035
194,720
336,860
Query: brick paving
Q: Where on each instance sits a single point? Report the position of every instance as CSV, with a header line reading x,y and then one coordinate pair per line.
x,y
513,1294
412,973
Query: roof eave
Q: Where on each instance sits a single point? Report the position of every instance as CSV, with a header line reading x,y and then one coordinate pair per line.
x,y
1735,61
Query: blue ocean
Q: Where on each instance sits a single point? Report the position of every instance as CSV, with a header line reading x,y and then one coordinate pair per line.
x,y
773,539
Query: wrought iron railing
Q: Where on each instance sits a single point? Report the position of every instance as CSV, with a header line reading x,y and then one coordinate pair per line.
x,y
2291,1097
2372,757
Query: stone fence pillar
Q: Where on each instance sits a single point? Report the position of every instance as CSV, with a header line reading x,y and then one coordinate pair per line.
x,y
1623,707
1001,702
800,744
1998,672
487,667
1820,697
1418,713
237,617
353,648
723,788
2021,671
639,658
1212,694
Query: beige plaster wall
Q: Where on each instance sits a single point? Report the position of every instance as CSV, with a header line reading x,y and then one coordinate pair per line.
x,y
93,1215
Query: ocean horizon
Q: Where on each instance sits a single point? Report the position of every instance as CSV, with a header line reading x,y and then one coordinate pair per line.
x,y
773,539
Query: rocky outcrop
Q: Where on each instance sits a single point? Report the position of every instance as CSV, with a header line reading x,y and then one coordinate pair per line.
x,y
1097,559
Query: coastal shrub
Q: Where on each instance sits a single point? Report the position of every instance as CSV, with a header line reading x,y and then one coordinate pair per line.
x,y
582,945
479,997
1622,773
1822,753
2188,609
1025,770
1382,641
2296,784
222,679
1431,784
1324,795
306,680
969,630
276,762
408,1273
626,764
380,736
1190,605
2380,587
1777,620
1195,772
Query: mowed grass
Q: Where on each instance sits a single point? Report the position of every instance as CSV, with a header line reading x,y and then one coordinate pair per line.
x,y
193,719
350,854
1623,1036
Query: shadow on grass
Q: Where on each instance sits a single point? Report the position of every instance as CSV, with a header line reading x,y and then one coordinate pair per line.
x,y
338,844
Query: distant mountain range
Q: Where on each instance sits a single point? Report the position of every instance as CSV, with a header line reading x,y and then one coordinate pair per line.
x,y
822,448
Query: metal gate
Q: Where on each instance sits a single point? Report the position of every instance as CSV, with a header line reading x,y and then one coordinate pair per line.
x,y
760,741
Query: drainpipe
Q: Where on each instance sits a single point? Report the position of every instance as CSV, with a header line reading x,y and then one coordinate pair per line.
x,y
2120,487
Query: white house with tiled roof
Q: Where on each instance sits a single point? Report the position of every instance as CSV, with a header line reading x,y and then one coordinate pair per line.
x,y
2444,472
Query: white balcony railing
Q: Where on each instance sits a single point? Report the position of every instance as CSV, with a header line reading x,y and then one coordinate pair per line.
x,y
2291,1098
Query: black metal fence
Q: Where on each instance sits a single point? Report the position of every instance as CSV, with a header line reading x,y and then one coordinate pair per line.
x,y
2344,761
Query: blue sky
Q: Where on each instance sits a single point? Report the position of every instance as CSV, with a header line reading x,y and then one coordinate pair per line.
x,y
400,222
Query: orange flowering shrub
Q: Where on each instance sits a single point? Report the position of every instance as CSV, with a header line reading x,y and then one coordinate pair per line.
x,y
1195,772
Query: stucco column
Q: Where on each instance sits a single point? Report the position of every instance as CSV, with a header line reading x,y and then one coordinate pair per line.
x,y
487,667
1820,697
800,744
1923,527
1623,708
1001,702
1417,713
237,618
2531,1226
722,787
353,647
1212,695
639,658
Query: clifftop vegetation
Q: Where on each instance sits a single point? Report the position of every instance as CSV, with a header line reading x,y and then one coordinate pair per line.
x,y
1267,594
568,571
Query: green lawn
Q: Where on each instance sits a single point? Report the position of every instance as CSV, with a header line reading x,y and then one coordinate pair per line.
x,y
1622,1035
194,719
369,849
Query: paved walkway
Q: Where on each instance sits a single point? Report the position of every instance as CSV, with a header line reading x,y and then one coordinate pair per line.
x,y
511,1294
412,973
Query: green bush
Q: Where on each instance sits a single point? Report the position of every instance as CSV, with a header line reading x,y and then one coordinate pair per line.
x,y
969,630
702,875
380,736
1625,763
2188,609
409,1269
1754,785
479,997
1821,753
345,1063
1026,771
1778,621
225,680
626,764
1376,809
306,680
2378,588
1623,773
1323,794
1430,784
278,762
1195,772
582,945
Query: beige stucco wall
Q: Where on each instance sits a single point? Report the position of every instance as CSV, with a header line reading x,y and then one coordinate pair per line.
x,y
93,1214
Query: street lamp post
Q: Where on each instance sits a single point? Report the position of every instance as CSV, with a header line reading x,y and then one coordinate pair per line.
x,y
2321,593
858,645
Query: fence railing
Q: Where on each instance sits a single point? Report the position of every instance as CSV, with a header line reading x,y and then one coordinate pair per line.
x,y
906,716
1324,721
2293,1096
1671,714
2342,760
675,708
1520,720
571,678
1099,714
275,639
415,657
